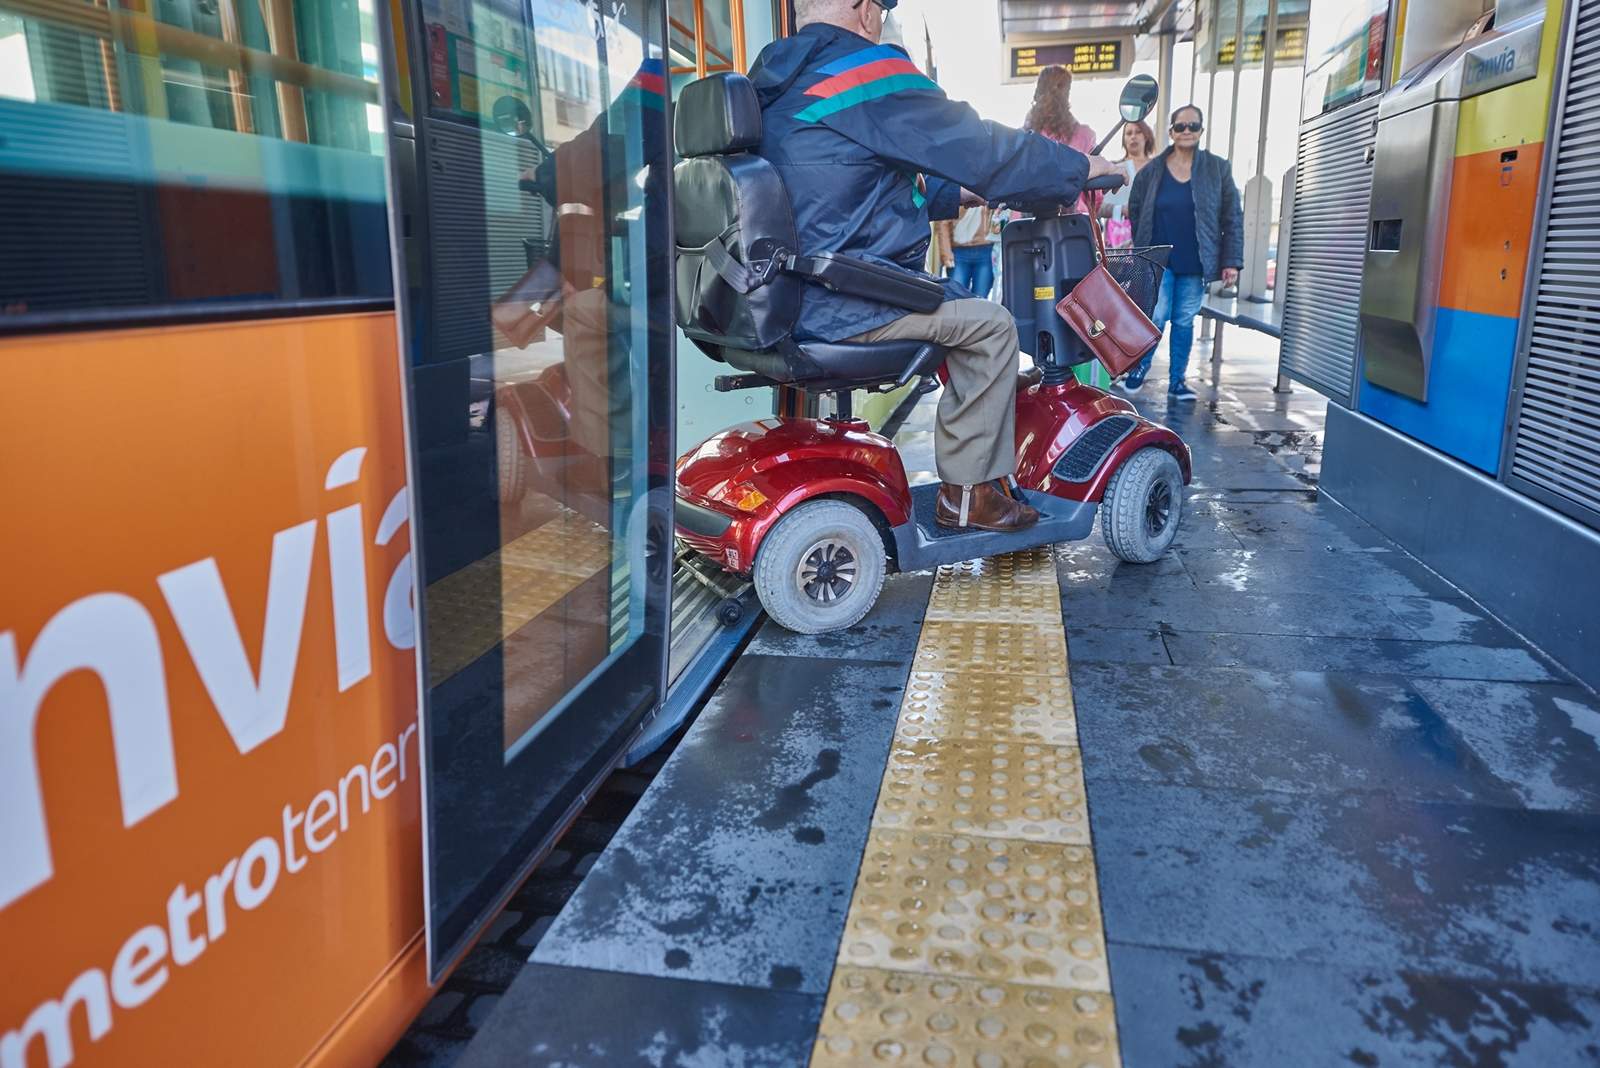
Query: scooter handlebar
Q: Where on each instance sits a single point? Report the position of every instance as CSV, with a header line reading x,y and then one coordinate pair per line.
x,y
1104,184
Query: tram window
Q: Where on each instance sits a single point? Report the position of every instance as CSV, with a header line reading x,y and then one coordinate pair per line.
x,y
190,156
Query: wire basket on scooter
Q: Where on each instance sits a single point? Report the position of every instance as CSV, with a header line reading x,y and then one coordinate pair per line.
x,y
1138,270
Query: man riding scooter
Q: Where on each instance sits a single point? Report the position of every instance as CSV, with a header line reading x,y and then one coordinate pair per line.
x,y
870,151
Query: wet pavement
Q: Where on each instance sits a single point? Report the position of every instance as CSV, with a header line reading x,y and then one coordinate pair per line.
x,y
1342,815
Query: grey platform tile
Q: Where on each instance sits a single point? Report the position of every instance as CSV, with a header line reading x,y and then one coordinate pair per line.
x,y
1303,495
578,1018
889,632
1286,571
1543,740
1361,879
1202,528
1188,1010
1289,417
1317,525
1089,565
1450,660
1350,615
1115,645
1451,619
1247,468
1288,731
737,865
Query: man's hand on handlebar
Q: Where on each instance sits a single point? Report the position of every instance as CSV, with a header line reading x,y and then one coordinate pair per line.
x,y
1100,167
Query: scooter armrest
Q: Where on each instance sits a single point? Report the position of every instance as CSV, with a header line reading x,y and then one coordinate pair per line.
x,y
859,278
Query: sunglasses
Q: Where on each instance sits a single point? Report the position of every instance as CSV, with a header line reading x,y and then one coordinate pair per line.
x,y
1187,127
887,5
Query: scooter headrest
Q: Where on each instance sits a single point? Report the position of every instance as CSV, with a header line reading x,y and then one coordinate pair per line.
x,y
717,116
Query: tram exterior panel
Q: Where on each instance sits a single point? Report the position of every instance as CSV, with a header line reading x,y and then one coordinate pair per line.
x,y
212,767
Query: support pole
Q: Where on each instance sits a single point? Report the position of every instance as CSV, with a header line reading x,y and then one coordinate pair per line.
x,y
1166,43
699,38
1194,63
1238,69
1258,199
1268,55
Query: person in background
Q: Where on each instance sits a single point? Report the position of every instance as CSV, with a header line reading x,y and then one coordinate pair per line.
x,y
1186,198
967,253
1051,114
1138,145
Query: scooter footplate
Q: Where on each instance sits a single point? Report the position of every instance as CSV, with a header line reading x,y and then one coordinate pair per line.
x,y
922,543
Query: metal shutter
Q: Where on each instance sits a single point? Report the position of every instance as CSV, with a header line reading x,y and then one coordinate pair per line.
x,y
478,217
1557,442
1327,244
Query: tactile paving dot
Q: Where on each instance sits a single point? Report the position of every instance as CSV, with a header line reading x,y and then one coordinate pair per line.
x,y
1035,566
956,596
1007,789
873,1015
1004,648
971,707
993,909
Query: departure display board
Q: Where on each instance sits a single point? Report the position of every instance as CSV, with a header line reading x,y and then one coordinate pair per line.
x,y
1291,47
1107,57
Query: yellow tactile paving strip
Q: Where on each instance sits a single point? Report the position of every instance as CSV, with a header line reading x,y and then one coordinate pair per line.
x,y
974,934
527,577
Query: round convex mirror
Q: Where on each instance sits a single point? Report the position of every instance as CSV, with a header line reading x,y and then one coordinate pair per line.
x,y
1138,98
511,116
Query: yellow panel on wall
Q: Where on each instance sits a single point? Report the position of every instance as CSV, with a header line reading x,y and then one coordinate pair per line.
x,y
1518,114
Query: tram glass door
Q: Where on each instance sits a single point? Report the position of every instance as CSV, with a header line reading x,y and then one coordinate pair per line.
x,y
531,161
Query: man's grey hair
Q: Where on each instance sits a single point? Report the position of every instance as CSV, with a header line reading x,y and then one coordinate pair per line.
x,y
832,11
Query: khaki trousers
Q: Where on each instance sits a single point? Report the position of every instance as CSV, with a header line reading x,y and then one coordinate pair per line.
x,y
975,436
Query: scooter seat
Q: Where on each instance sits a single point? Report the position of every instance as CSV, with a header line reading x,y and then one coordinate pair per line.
x,y
836,362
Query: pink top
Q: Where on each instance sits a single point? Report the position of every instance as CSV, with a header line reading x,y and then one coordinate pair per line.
x,y
1083,139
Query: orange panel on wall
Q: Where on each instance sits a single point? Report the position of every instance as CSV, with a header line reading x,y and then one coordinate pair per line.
x,y
1492,202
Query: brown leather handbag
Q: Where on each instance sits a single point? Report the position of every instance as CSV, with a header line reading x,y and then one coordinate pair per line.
x,y
1108,320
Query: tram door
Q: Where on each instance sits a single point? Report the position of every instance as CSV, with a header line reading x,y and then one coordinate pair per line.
x,y
530,160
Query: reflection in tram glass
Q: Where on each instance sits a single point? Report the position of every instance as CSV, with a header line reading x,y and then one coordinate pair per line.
x,y
224,152
532,196
553,394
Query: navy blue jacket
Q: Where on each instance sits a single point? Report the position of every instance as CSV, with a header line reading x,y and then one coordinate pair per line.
x,y
1218,218
850,126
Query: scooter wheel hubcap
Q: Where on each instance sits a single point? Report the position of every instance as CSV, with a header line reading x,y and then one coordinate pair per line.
x,y
1158,509
827,571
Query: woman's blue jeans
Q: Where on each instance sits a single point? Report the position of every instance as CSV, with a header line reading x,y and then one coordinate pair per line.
x,y
974,269
1178,304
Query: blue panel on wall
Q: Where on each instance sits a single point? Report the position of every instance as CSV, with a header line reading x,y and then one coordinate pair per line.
x,y
1467,390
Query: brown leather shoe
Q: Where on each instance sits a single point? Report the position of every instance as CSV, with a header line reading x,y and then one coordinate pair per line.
x,y
990,506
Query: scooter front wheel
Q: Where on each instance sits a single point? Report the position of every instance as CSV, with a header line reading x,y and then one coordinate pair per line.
x,y
1143,506
821,568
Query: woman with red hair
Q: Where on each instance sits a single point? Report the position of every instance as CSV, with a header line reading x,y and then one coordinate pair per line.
x,y
1051,114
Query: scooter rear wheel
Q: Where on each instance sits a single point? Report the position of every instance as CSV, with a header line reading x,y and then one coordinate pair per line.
x,y
821,568
1143,506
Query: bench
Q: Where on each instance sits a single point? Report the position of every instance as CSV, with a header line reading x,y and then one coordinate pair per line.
x,y
1264,317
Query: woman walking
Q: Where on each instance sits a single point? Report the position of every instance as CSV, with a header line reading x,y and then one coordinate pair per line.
x,y
1186,198
1138,145
1051,114
967,252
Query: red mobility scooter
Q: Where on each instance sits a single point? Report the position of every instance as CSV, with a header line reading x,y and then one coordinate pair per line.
x,y
816,508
